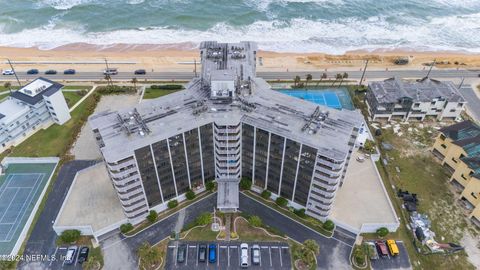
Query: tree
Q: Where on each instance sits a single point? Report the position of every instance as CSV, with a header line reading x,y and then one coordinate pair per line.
x,y
190,194
328,225
172,204
312,245
108,78
382,232
124,228
8,85
210,185
70,236
337,77
324,76
134,81
296,80
266,194
203,219
308,79
282,202
300,212
344,76
152,216
255,221
245,184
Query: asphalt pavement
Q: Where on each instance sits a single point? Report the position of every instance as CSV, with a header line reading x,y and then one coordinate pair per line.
x,y
271,76
42,238
401,261
473,102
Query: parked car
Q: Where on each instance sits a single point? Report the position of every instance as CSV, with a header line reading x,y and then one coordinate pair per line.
x,y
8,72
83,255
360,159
382,248
212,253
256,254
32,71
202,253
110,71
140,72
70,257
51,72
372,251
181,253
69,72
244,255
392,247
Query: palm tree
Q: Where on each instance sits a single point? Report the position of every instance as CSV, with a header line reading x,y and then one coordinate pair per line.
x,y
307,79
337,77
134,81
344,76
8,86
296,80
109,79
324,76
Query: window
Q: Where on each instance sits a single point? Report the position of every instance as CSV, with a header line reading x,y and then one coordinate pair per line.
x,y
444,146
442,137
452,110
473,195
454,160
432,103
416,105
463,176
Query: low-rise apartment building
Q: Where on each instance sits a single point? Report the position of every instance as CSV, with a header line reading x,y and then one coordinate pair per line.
x,y
458,148
395,98
35,106
227,124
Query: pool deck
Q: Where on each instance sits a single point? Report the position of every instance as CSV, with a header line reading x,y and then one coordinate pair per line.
x,y
337,98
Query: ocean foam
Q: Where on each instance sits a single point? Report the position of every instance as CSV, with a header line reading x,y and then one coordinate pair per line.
x,y
65,4
298,35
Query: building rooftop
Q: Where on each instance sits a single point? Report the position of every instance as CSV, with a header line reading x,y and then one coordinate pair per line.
x,y
33,92
10,109
463,130
425,90
254,103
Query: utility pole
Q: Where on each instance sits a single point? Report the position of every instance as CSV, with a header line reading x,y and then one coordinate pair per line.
x,y
461,83
195,68
363,73
14,73
430,70
107,75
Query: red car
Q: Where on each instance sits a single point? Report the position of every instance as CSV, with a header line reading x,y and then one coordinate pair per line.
x,y
382,248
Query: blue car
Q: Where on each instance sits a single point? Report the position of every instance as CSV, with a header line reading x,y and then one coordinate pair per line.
x,y
32,71
69,72
212,253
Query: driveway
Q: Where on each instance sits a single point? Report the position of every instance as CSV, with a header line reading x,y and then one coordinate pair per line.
x,y
473,102
334,252
42,239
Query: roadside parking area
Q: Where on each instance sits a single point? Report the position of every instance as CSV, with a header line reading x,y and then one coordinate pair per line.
x,y
59,262
401,261
273,255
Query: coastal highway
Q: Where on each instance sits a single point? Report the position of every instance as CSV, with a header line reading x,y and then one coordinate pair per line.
x,y
269,76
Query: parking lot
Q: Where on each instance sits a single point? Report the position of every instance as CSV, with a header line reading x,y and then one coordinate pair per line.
x,y
59,261
401,261
272,256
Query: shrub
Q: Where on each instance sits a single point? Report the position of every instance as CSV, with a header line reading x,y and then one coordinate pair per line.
x,y
369,146
359,256
282,202
312,245
124,228
328,225
210,185
382,232
70,236
152,216
115,89
300,213
203,219
245,184
233,235
167,86
266,194
190,194
172,204
255,221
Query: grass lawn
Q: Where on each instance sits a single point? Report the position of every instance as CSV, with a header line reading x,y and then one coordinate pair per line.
x,y
72,97
200,234
246,232
77,87
55,140
2,96
421,174
155,93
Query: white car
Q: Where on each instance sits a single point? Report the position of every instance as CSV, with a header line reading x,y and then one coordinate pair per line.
x,y
71,255
244,255
256,254
8,72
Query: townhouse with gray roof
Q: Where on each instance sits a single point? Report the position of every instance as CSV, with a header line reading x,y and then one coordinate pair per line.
x,y
226,125
395,98
34,106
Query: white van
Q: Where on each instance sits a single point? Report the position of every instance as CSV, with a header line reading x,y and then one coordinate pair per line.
x,y
110,71
244,255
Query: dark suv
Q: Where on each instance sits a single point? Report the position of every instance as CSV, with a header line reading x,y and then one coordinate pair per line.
x,y
140,72
83,255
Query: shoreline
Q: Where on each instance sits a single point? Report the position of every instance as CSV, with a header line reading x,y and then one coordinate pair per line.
x,y
179,56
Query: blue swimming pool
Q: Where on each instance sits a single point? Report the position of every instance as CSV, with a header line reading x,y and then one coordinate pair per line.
x,y
337,98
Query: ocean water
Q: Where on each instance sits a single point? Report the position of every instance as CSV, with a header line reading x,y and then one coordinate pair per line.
x,y
331,26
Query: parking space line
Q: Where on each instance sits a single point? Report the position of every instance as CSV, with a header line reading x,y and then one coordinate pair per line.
x,y
270,252
274,247
233,247
186,258
175,254
228,257
54,255
171,246
285,247
264,247
198,251
192,246
281,260
223,246
218,257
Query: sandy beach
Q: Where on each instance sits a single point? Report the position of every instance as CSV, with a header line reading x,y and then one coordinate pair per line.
x,y
180,57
